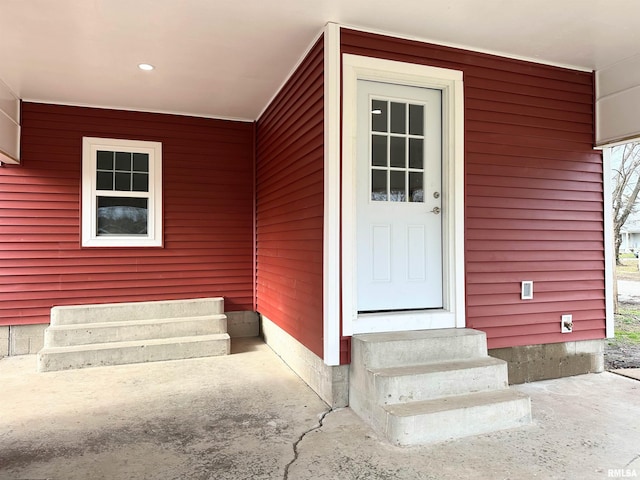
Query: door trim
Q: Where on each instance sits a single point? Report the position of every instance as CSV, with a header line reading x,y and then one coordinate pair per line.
x,y
354,68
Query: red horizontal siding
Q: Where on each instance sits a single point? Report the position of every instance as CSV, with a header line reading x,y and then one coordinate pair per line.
x,y
208,203
533,191
289,205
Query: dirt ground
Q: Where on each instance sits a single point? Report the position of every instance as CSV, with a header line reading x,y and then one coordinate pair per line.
x,y
623,351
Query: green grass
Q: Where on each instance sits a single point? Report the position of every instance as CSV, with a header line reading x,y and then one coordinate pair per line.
x,y
628,337
627,327
629,268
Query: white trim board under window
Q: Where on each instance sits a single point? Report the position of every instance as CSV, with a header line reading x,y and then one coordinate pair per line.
x,y
121,193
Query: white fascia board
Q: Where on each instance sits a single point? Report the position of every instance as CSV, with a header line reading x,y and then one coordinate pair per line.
x,y
9,126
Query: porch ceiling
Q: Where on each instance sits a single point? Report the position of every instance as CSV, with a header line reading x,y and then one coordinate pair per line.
x,y
226,58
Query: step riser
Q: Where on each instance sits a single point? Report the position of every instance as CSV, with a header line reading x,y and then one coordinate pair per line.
x,y
401,353
48,362
87,334
427,386
446,425
118,312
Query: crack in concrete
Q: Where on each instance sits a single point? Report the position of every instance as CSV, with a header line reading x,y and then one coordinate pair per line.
x,y
632,460
296,454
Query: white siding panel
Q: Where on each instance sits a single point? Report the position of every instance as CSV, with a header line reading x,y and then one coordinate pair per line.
x,y
618,102
9,126
9,140
9,103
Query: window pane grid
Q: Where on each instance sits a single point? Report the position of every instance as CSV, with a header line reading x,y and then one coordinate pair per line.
x,y
122,171
397,149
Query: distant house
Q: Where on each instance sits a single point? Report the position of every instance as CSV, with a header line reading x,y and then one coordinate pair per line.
x,y
630,234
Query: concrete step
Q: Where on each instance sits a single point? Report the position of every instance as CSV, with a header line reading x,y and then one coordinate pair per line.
x,y
419,387
131,330
460,416
119,312
140,351
398,349
436,380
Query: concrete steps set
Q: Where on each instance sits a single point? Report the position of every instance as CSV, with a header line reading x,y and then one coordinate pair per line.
x,y
432,385
121,333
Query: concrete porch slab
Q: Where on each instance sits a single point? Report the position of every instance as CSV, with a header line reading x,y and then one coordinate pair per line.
x,y
628,372
247,416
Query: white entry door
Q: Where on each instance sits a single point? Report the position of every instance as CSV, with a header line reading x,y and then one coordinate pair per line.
x,y
398,198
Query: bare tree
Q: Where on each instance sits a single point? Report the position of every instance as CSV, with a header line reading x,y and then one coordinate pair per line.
x,y
626,187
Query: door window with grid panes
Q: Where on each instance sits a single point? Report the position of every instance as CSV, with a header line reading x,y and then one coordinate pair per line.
x,y
397,151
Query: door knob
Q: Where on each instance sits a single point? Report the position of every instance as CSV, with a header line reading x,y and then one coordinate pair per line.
x,y
436,210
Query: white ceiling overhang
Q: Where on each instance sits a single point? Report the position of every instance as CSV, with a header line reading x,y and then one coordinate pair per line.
x,y
223,58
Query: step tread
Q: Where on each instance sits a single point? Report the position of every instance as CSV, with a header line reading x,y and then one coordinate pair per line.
x,y
125,323
455,402
426,368
136,343
116,312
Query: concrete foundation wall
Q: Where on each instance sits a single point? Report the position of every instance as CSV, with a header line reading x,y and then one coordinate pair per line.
x,y
4,341
26,339
330,383
243,324
554,360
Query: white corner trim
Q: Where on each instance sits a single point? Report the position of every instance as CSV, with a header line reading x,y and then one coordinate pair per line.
x,y
450,82
331,239
609,254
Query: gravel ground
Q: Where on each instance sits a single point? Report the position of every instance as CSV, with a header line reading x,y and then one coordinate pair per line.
x,y
624,350
622,356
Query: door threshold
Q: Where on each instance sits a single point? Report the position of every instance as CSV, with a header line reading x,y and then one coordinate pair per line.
x,y
400,310
387,321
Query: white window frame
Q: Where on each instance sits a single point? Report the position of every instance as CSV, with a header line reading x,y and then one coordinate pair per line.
x,y
90,237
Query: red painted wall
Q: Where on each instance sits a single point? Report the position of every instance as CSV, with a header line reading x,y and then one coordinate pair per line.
x,y
208,215
533,192
289,208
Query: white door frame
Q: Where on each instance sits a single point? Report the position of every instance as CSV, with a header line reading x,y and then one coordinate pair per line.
x,y
450,82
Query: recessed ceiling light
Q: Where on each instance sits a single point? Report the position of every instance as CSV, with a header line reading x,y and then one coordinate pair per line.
x,y
146,67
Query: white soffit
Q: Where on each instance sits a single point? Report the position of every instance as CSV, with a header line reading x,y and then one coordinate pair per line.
x,y
226,58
